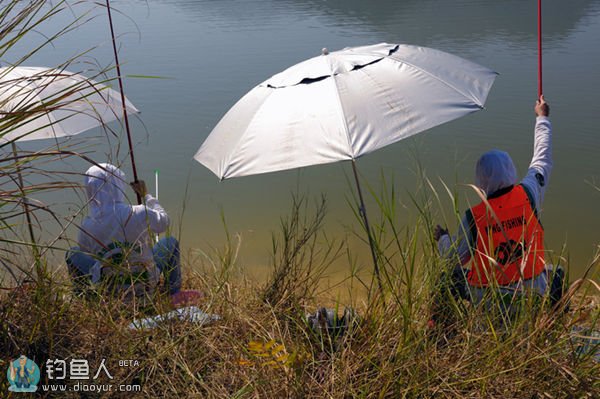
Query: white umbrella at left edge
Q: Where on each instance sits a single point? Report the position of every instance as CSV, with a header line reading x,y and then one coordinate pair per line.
x,y
43,103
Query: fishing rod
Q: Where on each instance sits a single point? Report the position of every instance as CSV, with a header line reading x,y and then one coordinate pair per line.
x,y
125,118
540,92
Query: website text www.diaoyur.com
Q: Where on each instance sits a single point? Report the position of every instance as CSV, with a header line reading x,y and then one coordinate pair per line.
x,y
96,388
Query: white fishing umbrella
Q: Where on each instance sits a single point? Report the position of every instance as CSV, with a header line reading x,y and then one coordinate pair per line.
x,y
341,106
41,103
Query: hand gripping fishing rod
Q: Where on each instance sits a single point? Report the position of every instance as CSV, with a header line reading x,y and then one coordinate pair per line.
x,y
125,118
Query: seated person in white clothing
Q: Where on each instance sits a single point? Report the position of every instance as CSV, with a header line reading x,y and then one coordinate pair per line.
x,y
115,239
502,236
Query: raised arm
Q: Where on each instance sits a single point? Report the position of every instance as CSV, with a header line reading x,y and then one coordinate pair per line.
x,y
540,167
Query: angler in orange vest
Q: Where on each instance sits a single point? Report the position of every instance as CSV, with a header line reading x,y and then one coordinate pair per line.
x,y
502,236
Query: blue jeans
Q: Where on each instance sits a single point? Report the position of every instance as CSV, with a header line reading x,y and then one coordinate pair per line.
x,y
166,257
551,280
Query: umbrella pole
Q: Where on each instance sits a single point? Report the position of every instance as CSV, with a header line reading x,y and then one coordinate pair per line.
x,y
125,118
363,214
26,206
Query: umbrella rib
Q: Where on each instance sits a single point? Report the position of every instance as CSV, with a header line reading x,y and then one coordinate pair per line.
x,y
239,141
441,80
52,120
343,116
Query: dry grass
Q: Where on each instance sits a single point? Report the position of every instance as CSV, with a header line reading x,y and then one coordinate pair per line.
x,y
374,360
263,348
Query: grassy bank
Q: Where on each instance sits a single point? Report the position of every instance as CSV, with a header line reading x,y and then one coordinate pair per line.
x,y
263,346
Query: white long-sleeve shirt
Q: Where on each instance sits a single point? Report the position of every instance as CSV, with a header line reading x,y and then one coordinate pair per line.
x,y
535,181
114,221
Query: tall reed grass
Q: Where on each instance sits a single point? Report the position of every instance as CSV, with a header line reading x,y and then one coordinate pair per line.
x,y
27,176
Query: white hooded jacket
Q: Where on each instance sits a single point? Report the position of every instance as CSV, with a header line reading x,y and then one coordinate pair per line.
x,y
112,219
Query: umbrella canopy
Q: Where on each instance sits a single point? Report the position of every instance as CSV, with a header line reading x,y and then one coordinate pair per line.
x,y
341,106
40,103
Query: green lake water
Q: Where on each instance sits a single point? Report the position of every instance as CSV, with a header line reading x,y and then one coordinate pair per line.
x,y
209,53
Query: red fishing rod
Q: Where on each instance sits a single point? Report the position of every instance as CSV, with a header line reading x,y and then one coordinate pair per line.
x,y
125,118
540,48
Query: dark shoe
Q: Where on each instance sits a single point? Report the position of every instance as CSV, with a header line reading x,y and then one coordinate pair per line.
x,y
557,287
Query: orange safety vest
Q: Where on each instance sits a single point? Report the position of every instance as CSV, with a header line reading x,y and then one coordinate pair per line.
x,y
509,240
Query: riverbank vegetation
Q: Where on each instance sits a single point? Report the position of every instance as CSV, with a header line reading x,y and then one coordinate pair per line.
x,y
264,345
